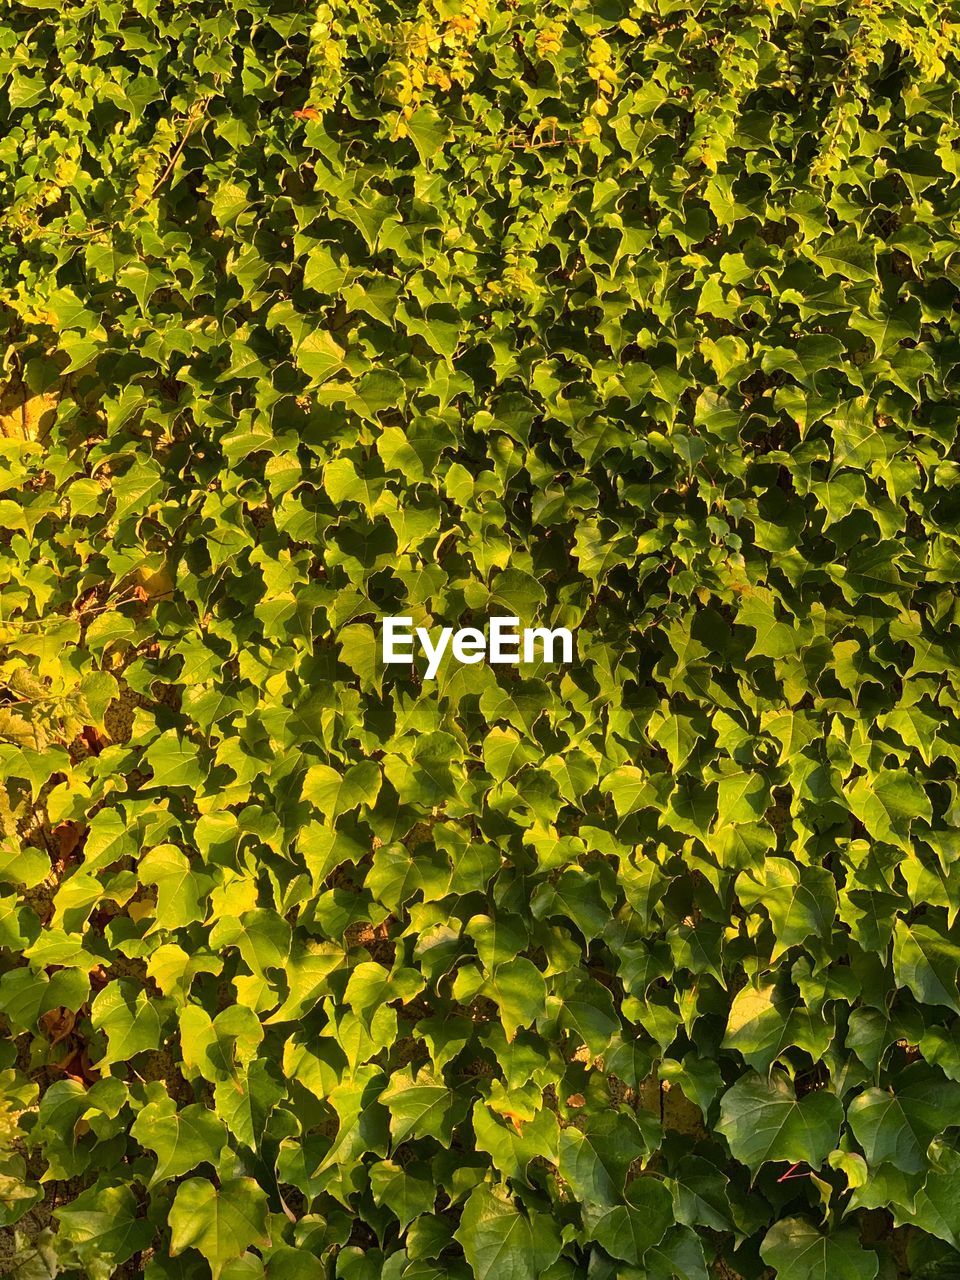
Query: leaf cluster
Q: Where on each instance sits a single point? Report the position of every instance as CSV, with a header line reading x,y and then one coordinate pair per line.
x,y
637,318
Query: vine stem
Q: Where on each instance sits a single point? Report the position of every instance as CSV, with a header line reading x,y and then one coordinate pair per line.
x,y
194,116
792,1173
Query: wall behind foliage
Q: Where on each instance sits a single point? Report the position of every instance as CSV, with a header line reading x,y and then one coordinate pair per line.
x,y
639,319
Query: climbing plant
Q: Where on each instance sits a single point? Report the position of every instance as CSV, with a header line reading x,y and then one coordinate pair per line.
x,y
634,317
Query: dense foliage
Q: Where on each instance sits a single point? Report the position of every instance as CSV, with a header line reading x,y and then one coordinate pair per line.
x,y
635,318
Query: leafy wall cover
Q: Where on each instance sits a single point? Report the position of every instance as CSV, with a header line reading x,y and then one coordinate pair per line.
x,y
637,317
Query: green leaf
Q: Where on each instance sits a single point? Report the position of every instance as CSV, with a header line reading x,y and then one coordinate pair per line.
x,y
319,356
519,991
848,254
888,803
363,1119
419,1105
595,1160
798,1251
427,131
220,1222
500,1242
927,963
763,1120
407,1192
677,736
371,986
513,1142
626,1231
181,892
334,793
245,1102
261,935
765,1020
132,1020
103,1223
175,762
630,789
181,1139
800,901
678,1256
897,1125
25,996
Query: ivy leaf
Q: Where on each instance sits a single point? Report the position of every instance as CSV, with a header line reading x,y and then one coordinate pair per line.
x,y
849,255
262,936
897,1125
102,1222
181,1139
514,1142
595,1160
519,991
245,1102
25,996
175,761
926,962
678,1256
800,901
362,1119
419,1105
307,973
319,356
629,788
932,1207
677,736
765,1020
407,1192
334,793
763,1120
220,1222
131,1019
181,892
626,1231
371,986
798,1251
500,1242
888,803
700,1195
428,131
